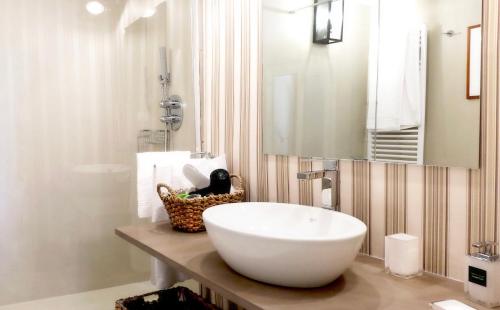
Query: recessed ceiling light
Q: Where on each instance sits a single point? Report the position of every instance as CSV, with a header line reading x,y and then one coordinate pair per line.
x,y
149,13
95,7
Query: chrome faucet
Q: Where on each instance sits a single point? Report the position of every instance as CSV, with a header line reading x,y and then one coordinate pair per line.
x,y
329,180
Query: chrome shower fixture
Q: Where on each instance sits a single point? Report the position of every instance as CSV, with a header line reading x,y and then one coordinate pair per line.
x,y
174,112
172,102
170,120
164,76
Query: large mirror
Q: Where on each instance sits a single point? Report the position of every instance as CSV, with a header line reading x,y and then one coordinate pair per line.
x,y
384,80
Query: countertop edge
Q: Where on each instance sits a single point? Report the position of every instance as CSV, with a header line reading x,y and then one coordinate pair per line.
x,y
182,268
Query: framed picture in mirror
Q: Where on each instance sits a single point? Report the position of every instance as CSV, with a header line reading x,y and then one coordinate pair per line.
x,y
473,62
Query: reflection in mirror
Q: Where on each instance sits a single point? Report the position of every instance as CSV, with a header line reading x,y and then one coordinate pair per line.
x,y
394,87
397,108
474,61
315,94
423,114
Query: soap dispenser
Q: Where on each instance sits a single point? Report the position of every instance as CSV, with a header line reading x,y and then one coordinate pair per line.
x,y
482,281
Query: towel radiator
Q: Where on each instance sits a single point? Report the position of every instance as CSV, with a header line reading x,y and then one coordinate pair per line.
x,y
402,146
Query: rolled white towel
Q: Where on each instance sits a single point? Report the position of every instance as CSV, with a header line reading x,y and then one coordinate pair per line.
x,y
199,179
198,171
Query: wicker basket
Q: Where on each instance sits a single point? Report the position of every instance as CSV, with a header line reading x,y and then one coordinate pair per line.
x,y
186,214
179,297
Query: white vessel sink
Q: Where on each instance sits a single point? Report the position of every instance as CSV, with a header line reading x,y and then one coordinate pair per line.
x,y
284,244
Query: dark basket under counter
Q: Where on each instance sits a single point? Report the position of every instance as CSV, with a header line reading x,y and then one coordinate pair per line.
x,y
177,298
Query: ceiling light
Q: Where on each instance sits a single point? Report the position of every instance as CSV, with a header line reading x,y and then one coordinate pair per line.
x,y
95,7
149,13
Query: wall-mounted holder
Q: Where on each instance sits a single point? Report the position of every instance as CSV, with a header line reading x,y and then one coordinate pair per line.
x,y
451,33
147,140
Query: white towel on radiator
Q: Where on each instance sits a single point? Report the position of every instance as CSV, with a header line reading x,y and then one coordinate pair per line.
x,y
396,79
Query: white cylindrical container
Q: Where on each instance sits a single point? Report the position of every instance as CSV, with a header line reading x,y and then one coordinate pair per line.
x,y
402,255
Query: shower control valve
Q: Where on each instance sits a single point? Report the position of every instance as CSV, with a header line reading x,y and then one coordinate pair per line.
x,y
170,119
172,102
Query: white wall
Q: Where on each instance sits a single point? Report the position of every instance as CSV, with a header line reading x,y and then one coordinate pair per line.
x,y
141,40
68,126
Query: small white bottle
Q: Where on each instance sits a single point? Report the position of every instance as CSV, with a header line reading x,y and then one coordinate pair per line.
x,y
482,275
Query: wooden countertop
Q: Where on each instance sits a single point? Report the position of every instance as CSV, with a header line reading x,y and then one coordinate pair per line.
x,y
364,286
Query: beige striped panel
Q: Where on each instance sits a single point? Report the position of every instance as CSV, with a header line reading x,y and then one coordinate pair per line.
x,y
474,218
229,91
279,178
484,184
378,209
416,188
209,81
458,196
435,220
496,17
395,199
262,185
217,299
305,187
494,34
346,183
361,197
263,180
489,183
282,179
272,178
215,61
245,92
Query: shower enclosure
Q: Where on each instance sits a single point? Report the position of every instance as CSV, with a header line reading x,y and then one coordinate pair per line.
x,y
76,90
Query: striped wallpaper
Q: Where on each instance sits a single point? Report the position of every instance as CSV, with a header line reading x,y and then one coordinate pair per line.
x,y
448,208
